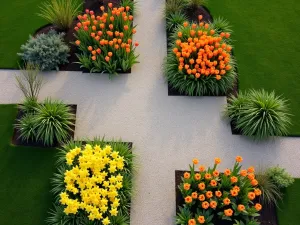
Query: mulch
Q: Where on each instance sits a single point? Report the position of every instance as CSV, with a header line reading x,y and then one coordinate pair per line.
x,y
69,34
16,140
268,215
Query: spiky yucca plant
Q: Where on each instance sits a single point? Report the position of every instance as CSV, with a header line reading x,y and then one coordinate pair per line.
x,y
60,12
174,6
132,4
174,20
259,114
26,127
53,121
29,105
221,25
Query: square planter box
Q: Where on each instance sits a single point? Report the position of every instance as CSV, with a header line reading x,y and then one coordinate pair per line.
x,y
18,141
267,216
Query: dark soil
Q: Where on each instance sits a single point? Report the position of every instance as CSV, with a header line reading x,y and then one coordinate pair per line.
x,y
18,141
193,13
69,34
267,216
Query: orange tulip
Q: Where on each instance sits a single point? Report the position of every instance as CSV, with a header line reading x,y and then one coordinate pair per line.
x,y
227,172
192,222
194,195
201,168
201,197
218,194
217,160
258,206
228,212
213,183
201,186
233,179
197,176
186,186
188,199
186,175
251,195
226,201
213,204
205,205
241,207
201,219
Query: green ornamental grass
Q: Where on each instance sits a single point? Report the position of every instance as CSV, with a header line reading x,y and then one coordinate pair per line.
x,y
61,13
26,127
259,114
174,6
270,192
174,20
53,122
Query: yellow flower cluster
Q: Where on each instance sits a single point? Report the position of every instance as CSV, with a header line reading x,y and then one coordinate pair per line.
x,y
94,180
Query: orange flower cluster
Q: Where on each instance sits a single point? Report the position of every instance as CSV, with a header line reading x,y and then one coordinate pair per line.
x,y
203,52
206,189
106,32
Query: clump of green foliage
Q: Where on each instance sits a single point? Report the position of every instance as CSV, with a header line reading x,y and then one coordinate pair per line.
x,y
270,192
61,13
280,177
259,114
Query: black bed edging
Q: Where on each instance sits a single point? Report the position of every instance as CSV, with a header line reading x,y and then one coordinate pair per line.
x,y
268,214
18,141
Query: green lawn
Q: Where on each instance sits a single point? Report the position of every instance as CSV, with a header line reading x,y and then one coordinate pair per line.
x,y
267,46
288,214
18,19
24,175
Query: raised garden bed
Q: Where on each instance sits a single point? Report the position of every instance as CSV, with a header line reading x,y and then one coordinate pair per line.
x,y
268,215
192,16
19,142
70,39
122,174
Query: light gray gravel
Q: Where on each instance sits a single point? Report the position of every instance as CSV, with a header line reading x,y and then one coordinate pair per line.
x,y
167,132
